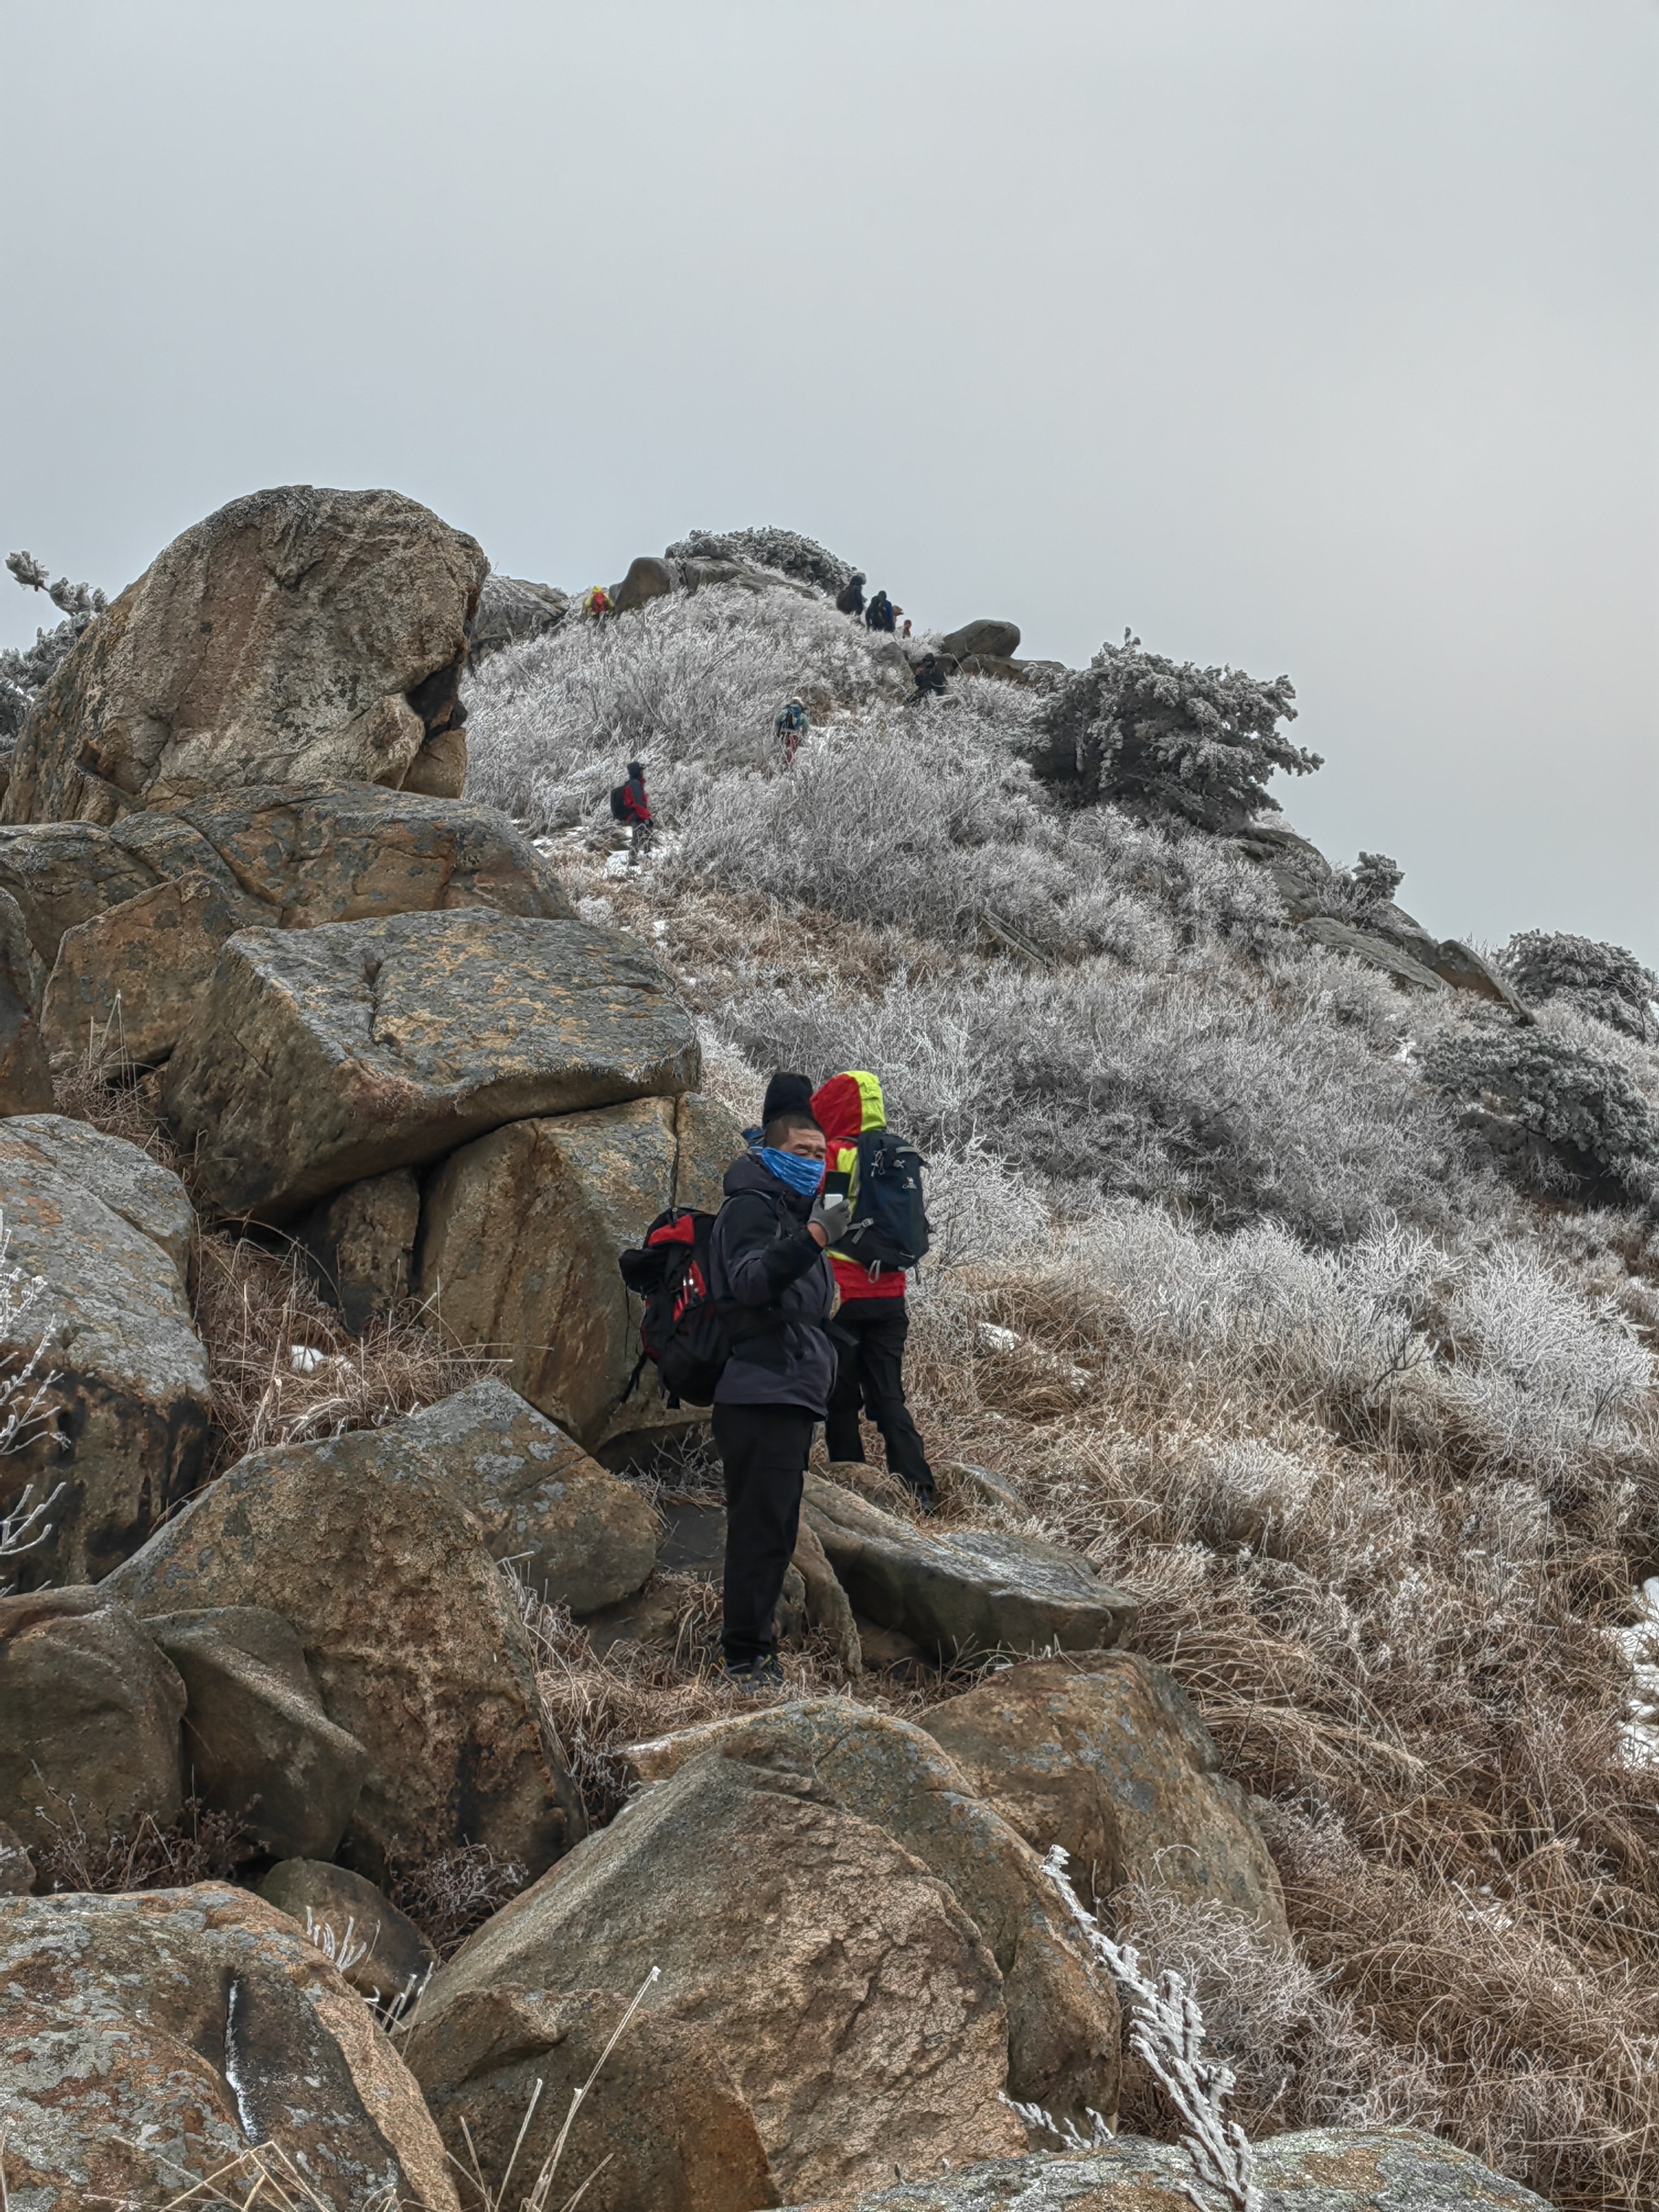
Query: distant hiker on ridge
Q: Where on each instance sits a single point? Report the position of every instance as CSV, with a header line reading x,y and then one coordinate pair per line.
x,y
930,679
792,726
881,1176
849,600
879,614
769,1272
629,804
596,601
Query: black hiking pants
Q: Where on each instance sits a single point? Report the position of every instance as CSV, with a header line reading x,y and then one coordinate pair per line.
x,y
763,1450
869,1335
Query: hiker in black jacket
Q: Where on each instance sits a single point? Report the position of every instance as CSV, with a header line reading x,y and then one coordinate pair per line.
x,y
879,614
767,1257
849,600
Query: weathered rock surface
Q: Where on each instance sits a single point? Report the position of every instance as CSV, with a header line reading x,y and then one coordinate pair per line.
x,y
576,1533
152,2038
1375,952
985,638
25,1074
855,2004
519,1234
257,1743
828,1608
359,1245
512,610
1105,1755
407,1628
293,856
321,1056
1063,2028
300,635
381,1952
133,975
89,1718
1462,967
663,2128
1323,2170
968,1592
647,579
108,1229
62,873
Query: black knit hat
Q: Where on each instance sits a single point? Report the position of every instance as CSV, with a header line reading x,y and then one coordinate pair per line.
x,y
787,1094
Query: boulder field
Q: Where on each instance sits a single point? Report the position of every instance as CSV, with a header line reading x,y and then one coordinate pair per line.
x,y
235,845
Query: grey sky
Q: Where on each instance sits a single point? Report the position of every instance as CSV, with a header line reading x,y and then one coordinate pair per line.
x,y
1311,335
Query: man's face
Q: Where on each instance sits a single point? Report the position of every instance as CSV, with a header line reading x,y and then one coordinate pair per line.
x,y
808,1144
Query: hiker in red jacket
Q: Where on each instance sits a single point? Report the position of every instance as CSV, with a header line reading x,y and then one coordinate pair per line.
x,y
636,809
872,1323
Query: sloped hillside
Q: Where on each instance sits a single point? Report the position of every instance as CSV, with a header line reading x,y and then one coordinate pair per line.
x,y
1312,1296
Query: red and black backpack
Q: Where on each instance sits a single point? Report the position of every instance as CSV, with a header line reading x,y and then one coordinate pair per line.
x,y
683,1331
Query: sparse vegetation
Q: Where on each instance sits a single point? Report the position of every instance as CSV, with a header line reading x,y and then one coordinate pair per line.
x,y
1607,981
23,670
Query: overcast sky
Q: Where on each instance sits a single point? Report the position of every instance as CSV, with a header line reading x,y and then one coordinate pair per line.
x,y
1306,334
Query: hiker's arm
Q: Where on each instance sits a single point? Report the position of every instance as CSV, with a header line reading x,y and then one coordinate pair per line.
x,y
760,1264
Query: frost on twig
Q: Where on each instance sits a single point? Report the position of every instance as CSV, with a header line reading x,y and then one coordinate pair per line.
x,y
1167,2031
26,1408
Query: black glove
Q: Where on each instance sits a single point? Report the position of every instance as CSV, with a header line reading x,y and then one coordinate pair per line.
x,y
831,1213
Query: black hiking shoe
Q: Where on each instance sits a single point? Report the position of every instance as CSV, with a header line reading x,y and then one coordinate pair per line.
x,y
754,1674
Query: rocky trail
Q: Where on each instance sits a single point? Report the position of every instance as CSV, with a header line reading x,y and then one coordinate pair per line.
x,y
374,1830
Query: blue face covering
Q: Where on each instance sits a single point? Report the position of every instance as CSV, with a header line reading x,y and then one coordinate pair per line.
x,y
801,1174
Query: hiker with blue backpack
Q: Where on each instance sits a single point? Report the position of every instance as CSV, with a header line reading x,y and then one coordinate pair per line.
x,y
887,1233
630,806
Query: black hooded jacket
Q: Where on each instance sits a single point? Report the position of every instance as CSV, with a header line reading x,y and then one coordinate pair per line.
x,y
763,1259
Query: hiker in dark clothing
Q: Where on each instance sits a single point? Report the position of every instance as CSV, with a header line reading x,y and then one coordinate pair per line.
x,y
767,1257
879,615
930,679
636,807
849,600
791,728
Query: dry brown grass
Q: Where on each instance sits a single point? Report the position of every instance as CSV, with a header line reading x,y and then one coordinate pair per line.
x,y
1407,1663
199,1845
257,1308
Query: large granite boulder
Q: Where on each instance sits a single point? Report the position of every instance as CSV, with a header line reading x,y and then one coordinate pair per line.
x,y
511,611
1321,2170
985,640
663,2128
89,1718
1104,1754
25,1069
260,1745
380,1950
519,1235
408,1630
159,2038
855,2004
108,1230
133,976
647,579
299,636
137,913
1063,2028
577,1536
968,1592
319,1057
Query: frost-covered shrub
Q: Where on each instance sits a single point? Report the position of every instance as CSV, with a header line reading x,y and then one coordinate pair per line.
x,y
768,547
692,684
1168,736
1582,1103
24,669
1542,1374
1195,1085
1606,980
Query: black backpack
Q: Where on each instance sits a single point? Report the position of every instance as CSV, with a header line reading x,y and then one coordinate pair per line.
x,y
619,802
683,1331
890,1220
